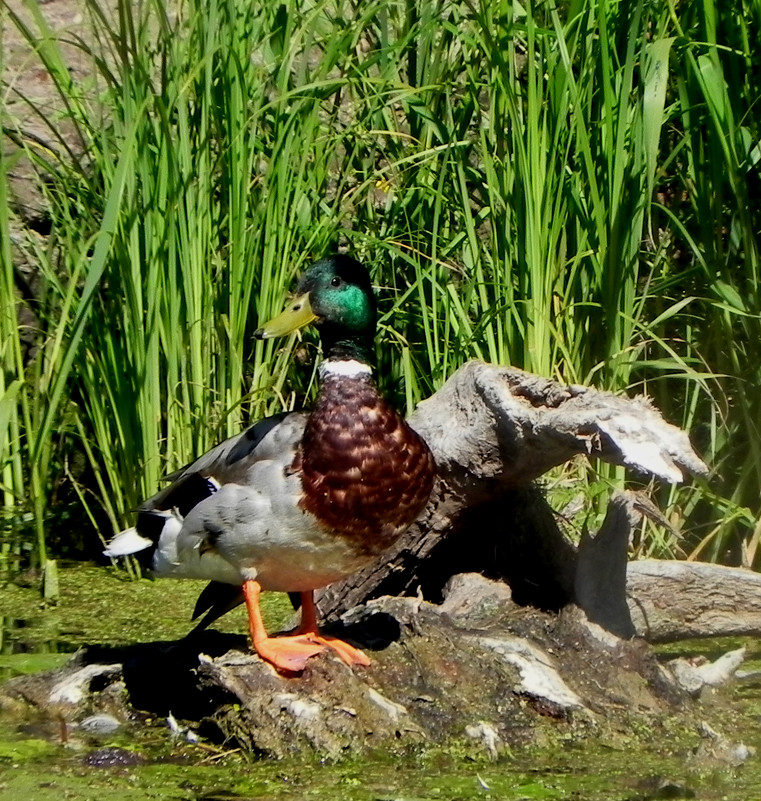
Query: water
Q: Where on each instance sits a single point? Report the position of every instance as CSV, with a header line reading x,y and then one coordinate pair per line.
x,y
50,760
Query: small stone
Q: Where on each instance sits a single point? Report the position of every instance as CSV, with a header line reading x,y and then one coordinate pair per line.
x,y
73,688
717,749
112,758
469,599
539,678
391,708
100,724
485,734
693,676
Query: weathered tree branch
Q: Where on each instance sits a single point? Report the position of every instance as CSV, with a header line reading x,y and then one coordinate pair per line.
x,y
493,430
491,422
678,600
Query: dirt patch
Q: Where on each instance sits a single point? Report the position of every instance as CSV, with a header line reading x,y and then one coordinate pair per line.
x,y
34,113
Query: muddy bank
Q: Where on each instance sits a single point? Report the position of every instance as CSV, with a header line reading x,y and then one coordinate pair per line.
x,y
476,668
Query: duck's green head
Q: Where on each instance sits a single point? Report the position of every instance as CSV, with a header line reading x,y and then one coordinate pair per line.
x,y
336,295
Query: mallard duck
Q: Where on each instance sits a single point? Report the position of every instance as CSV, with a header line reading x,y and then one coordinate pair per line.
x,y
298,500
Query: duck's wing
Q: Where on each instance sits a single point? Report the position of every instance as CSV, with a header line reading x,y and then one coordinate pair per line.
x,y
230,460
274,439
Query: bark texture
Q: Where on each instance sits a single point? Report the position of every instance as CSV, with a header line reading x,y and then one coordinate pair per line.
x,y
679,600
493,430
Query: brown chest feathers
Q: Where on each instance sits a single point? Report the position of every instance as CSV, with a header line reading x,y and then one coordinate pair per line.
x,y
366,474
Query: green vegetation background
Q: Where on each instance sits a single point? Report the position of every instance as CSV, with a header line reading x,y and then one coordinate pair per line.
x,y
570,188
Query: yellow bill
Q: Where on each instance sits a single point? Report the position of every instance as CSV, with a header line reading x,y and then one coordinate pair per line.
x,y
296,315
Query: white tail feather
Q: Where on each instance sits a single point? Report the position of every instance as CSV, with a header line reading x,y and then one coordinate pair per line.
x,y
127,542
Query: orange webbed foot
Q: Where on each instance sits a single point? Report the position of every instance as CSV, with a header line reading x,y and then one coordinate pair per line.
x,y
348,653
308,628
288,654
291,653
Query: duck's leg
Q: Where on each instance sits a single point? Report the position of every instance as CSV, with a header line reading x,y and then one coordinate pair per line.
x,y
289,654
308,628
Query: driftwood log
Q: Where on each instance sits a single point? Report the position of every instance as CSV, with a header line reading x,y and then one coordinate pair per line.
x,y
679,600
493,430
484,623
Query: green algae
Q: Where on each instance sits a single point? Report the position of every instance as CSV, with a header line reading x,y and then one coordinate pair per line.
x,y
592,774
43,761
25,750
24,663
102,605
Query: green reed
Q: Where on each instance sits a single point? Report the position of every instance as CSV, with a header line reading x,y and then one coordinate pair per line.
x,y
569,190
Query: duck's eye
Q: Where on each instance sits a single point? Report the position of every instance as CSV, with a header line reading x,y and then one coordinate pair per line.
x,y
335,281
